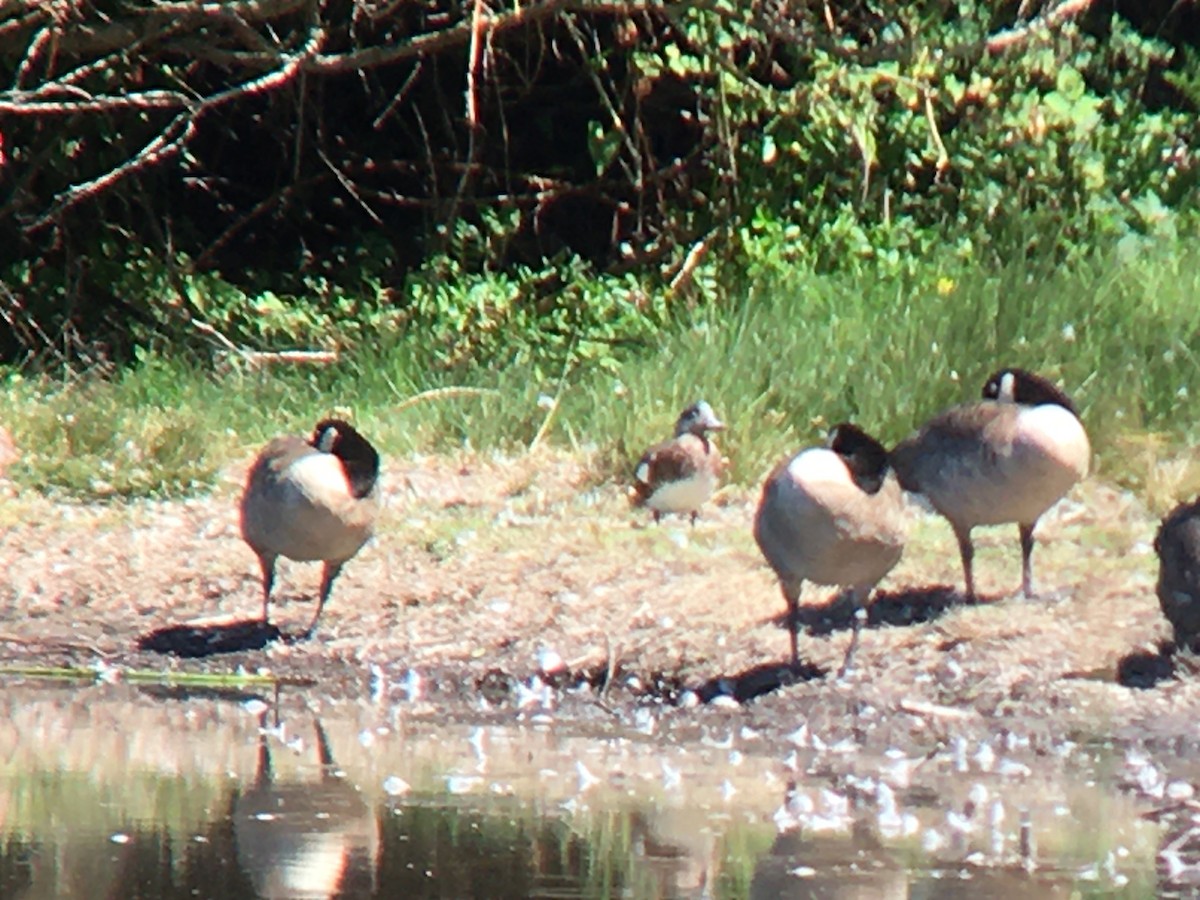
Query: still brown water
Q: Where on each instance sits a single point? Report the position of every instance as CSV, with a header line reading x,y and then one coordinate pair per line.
x,y
120,792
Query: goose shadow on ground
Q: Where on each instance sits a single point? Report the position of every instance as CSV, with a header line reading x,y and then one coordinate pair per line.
x,y
895,608
756,681
912,606
1144,668
195,640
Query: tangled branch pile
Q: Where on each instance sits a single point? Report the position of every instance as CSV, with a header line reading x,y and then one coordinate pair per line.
x,y
333,147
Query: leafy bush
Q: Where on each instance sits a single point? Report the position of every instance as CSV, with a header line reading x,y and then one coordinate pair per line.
x,y
353,193
553,318
879,155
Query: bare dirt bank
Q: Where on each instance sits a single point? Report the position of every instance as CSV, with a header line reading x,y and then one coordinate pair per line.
x,y
487,570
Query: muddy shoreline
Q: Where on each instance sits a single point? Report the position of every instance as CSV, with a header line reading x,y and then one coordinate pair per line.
x,y
505,589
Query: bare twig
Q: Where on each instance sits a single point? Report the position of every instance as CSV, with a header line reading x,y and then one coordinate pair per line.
x,y
430,44
31,105
71,60
544,429
260,359
943,160
634,167
934,710
280,76
479,23
46,642
168,142
349,187
554,403
174,137
441,393
30,19
399,98
269,202
25,327
205,328
90,40
1068,9
694,257
44,37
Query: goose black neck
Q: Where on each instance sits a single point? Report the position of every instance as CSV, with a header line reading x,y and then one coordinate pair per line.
x,y
359,459
865,458
1028,389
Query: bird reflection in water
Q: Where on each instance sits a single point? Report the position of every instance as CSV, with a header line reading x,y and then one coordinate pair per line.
x,y
678,859
816,865
305,838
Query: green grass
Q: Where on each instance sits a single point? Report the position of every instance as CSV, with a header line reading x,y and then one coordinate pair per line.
x,y
802,352
781,357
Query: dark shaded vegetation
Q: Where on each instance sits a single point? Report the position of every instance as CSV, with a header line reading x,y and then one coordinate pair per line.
x,y
288,173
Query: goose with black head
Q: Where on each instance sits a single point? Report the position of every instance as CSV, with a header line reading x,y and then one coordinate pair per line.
x,y
311,500
1006,458
833,515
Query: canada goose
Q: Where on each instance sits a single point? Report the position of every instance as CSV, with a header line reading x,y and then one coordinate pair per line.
x,y
679,475
834,516
1006,458
311,500
1178,547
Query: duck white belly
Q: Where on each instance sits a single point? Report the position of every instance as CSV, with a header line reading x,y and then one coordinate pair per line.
x,y
684,495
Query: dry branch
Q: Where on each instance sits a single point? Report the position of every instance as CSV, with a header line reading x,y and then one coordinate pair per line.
x,y
167,143
436,42
172,139
261,359
89,40
1068,9
431,44
479,23
96,97
31,105
97,53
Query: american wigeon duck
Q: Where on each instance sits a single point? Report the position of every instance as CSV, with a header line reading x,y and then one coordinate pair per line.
x,y
1178,547
311,500
832,515
679,475
1007,458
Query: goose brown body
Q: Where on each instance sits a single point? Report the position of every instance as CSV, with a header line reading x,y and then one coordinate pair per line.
x,y
680,475
314,500
1005,459
1178,547
833,516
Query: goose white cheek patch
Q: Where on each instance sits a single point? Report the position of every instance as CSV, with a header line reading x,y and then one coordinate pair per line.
x,y
327,439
